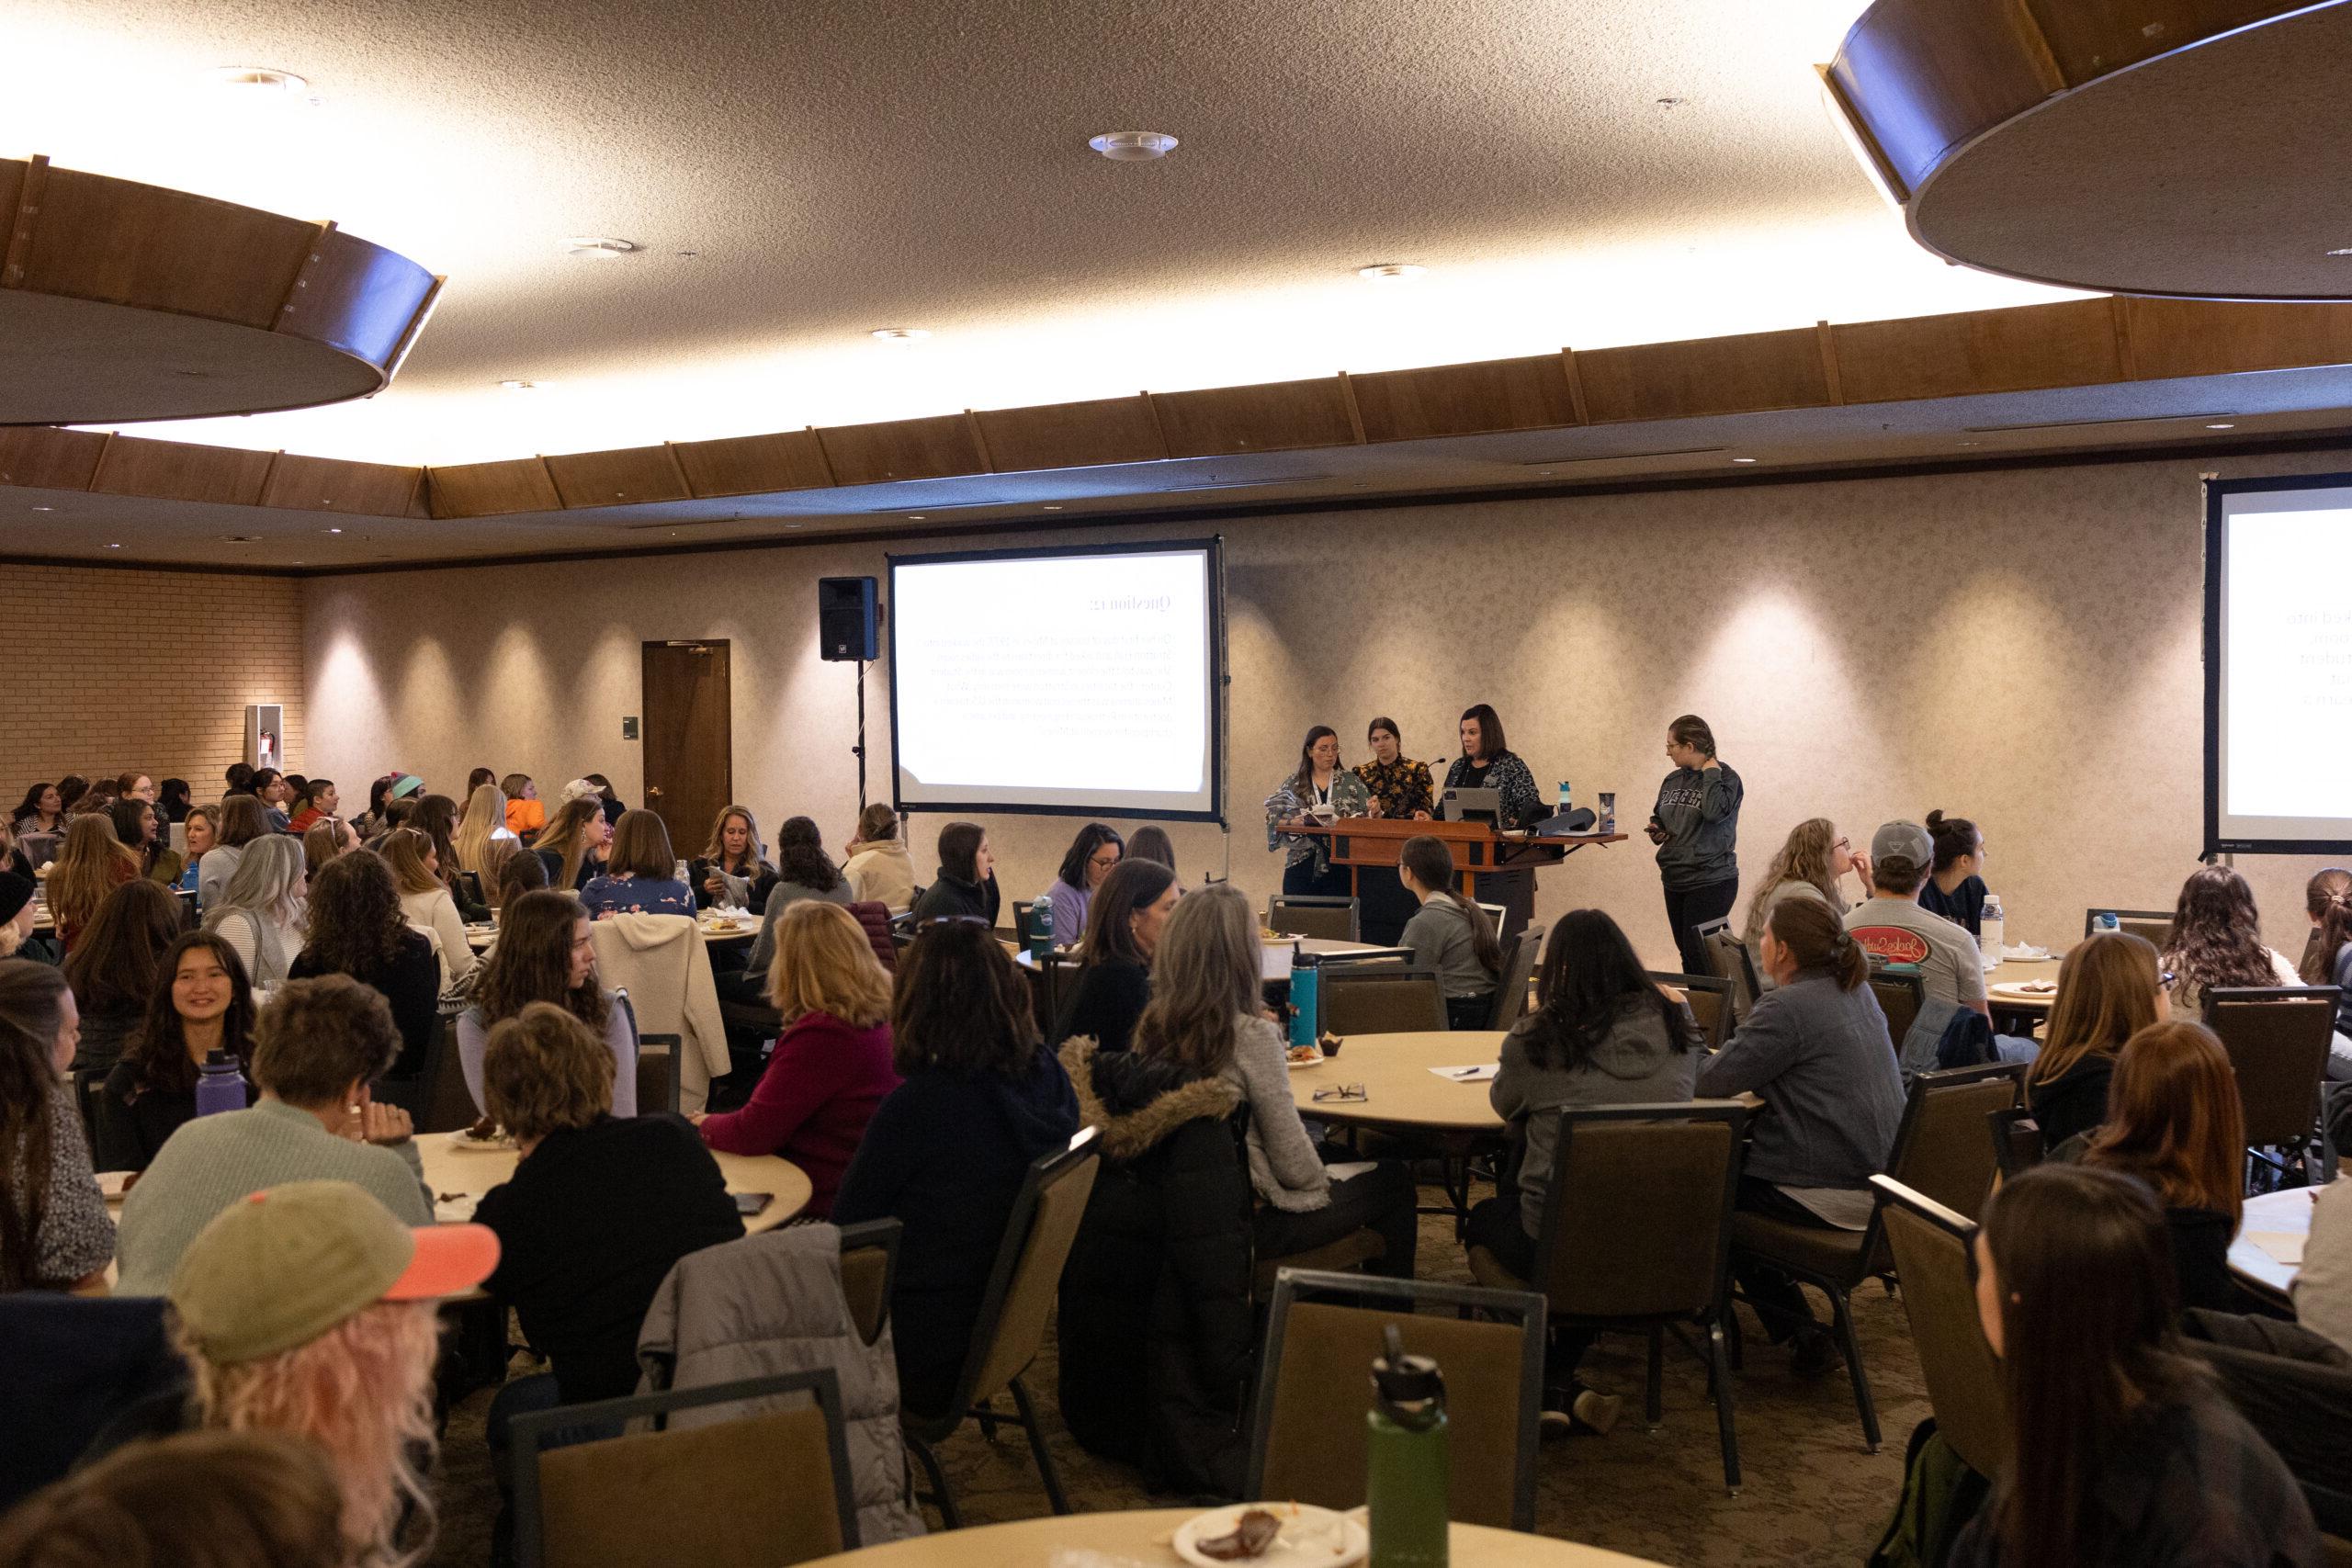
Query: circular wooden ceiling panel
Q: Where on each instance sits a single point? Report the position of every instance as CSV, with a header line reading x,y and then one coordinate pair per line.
x,y
123,303
2191,148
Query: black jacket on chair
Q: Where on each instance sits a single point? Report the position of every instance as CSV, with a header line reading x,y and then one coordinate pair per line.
x,y
1156,1317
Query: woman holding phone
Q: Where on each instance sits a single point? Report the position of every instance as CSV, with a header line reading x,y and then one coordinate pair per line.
x,y
1695,826
1320,790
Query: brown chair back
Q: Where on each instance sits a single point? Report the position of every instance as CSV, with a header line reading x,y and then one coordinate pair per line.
x,y
656,1073
1301,914
1355,998
1010,1329
1709,1000
1637,1217
1941,1152
869,1269
2155,925
1308,1439
1733,964
1519,975
2017,1141
754,1491
1931,1244
2277,1038
1900,994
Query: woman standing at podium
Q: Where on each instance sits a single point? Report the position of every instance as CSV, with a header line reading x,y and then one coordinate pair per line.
x,y
1488,762
1320,786
1401,791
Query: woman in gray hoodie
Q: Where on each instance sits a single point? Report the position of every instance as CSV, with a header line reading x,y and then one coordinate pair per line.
x,y
1449,934
1602,1034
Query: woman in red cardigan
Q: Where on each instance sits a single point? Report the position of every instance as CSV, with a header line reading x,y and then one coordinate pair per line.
x,y
831,1066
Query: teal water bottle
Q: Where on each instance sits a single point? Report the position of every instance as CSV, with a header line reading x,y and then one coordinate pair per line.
x,y
1564,797
1303,975
1411,1468
1041,927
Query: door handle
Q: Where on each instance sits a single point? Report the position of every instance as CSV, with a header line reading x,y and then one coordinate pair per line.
x,y
653,789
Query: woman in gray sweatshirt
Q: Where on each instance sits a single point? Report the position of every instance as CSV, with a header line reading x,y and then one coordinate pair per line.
x,y
1449,934
1602,1034
1695,826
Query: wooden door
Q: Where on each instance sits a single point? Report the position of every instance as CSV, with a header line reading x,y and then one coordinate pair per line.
x,y
689,743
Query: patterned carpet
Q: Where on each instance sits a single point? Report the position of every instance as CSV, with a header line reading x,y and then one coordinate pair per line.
x,y
1812,1496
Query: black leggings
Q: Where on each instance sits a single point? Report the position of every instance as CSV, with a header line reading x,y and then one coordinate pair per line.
x,y
1381,1198
1689,909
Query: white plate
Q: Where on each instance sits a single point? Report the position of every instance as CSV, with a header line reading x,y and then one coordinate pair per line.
x,y
112,1183
1318,1060
2026,991
1354,1541
501,1144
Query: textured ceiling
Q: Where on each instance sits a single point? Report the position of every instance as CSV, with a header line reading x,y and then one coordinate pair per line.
x,y
904,163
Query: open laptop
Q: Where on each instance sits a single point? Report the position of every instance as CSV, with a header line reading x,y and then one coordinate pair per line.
x,y
1471,806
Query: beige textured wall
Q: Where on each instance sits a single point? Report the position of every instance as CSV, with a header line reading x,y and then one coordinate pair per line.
x,y
2017,646
151,671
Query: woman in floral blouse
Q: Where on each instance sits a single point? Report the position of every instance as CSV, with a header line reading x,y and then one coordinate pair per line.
x,y
1320,785
1399,785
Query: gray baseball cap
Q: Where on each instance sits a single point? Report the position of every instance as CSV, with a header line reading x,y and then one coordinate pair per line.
x,y
1903,841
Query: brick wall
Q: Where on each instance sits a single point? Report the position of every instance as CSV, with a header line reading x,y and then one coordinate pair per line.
x,y
110,669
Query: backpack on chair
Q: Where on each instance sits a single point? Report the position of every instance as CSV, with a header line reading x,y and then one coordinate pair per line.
x,y
1941,1494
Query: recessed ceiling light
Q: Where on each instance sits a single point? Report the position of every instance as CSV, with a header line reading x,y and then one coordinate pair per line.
x,y
334,530
592,248
522,386
1390,272
1133,146
113,546
1968,444
2341,251
258,80
44,509
901,334
915,516
2222,426
1743,459
1543,473
1050,507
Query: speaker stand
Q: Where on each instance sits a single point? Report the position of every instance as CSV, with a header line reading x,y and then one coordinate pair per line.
x,y
858,750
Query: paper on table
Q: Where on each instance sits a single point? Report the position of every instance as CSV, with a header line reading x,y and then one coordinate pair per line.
x,y
1479,1074
2284,1246
454,1210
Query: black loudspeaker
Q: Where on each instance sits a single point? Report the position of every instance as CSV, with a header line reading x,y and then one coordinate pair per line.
x,y
847,625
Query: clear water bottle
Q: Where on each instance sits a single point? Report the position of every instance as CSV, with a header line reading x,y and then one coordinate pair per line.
x,y
218,1085
1041,927
1564,797
1989,928
1410,1471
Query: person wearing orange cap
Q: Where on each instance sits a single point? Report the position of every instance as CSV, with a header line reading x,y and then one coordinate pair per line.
x,y
310,1309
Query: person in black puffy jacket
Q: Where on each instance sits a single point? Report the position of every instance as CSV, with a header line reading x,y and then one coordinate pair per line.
x,y
1155,1313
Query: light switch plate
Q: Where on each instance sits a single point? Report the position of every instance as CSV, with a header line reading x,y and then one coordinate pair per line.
x,y
629,727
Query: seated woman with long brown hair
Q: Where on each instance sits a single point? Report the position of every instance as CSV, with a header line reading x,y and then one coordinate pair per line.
x,y
1123,927
55,1233
113,972
575,845
2124,1454
545,954
243,821
425,900
2109,990
92,863
2174,1120
200,1004
2215,942
640,875
359,928
139,825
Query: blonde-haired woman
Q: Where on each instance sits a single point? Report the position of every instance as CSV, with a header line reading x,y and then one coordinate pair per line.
x,y
1207,1019
832,1065
425,902
733,867
348,1360
485,820
1808,866
878,869
2109,990
572,847
259,913
92,863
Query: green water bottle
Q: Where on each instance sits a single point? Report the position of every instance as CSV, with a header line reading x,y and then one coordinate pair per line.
x,y
1411,1472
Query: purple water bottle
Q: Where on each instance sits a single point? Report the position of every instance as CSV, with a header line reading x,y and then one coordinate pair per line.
x,y
218,1085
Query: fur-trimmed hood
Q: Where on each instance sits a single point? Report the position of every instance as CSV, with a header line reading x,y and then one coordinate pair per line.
x,y
1138,1102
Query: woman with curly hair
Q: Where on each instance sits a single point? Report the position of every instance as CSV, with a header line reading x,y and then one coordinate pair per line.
x,y
1808,866
200,1004
348,1360
545,954
93,863
359,928
2216,942
803,871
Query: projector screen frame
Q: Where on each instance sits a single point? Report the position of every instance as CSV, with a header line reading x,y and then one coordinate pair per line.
x,y
1220,679
2218,492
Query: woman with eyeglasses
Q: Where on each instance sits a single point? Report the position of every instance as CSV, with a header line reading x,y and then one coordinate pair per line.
x,y
1091,855
1809,865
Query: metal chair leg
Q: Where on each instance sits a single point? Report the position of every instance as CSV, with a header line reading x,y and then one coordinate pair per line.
x,y
1037,1445
942,1494
1852,1348
1654,1400
1725,1430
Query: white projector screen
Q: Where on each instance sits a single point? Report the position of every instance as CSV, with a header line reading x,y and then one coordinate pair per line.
x,y
2279,665
1088,682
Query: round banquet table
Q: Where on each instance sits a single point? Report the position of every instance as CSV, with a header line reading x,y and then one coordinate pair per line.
x,y
1400,1087
1140,1535
459,1178
740,933
2034,1006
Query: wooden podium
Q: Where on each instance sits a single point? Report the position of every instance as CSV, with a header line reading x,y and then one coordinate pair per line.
x,y
1478,848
